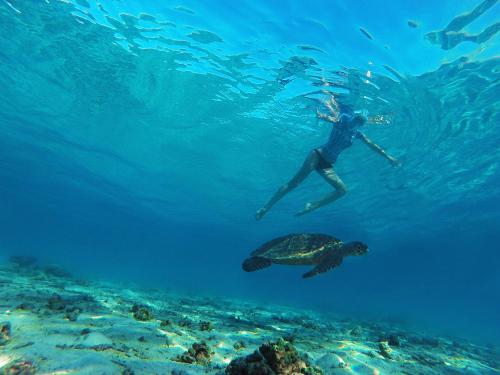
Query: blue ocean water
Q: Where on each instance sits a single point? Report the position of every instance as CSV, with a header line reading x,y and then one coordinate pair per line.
x,y
138,138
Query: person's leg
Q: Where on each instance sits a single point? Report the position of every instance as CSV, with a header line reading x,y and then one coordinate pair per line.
x,y
340,190
307,167
485,35
453,38
450,37
459,22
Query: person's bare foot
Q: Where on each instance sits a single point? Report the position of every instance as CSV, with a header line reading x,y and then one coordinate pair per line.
x,y
395,162
309,207
260,213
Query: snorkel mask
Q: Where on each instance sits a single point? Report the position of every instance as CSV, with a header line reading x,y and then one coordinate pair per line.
x,y
358,120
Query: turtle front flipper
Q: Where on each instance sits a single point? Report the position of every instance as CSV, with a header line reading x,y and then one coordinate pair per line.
x,y
326,265
255,263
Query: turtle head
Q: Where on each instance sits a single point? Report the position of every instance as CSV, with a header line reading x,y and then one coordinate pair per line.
x,y
355,248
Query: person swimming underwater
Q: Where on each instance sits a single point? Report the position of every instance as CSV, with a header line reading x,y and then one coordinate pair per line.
x,y
344,131
452,35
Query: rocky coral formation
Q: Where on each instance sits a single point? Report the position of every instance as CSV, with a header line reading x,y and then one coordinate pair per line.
x,y
199,353
142,313
5,333
20,368
165,323
239,345
393,340
384,350
206,326
185,322
70,308
272,358
56,302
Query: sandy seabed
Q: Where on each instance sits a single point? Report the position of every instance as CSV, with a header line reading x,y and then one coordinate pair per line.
x,y
52,323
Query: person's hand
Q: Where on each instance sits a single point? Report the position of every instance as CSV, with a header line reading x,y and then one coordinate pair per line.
x,y
394,162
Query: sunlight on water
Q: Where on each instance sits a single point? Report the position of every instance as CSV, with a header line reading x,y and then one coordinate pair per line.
x,y
152,87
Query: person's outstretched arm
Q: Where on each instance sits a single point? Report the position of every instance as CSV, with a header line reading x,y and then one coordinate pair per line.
x,y
332,107
379,150
325,117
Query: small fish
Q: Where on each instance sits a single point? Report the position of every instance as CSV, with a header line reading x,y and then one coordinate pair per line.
x,y
412,24
184,9
366,33
101,8
311,48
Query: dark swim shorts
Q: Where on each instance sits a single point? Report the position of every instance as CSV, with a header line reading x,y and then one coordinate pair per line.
x,y
322,162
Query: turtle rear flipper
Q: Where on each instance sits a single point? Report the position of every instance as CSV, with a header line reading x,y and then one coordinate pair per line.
x,y
255,264
325,266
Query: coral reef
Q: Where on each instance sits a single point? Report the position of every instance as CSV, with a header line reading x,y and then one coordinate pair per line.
x,y
384,349
5,333
206,326
199,353
20,368
141,313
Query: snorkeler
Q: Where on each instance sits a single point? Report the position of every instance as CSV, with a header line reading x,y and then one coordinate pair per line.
x,y
345,130
451,36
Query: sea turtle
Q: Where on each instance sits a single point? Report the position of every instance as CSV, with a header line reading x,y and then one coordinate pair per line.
x,y
321,250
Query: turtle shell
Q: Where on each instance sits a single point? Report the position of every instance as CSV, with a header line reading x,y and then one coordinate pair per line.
x,y
297,247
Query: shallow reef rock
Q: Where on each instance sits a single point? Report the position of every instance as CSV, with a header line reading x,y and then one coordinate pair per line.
x,y
199,353
5,333
274,358
206,326
72,313
20,368
384,350
56,302
393,340
142,313
239,345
